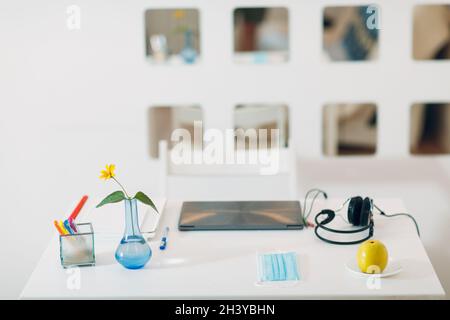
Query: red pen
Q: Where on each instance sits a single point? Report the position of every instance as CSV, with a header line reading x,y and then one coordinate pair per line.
x,y
77,209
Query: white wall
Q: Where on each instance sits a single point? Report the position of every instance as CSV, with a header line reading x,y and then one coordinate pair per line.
x,y
71,101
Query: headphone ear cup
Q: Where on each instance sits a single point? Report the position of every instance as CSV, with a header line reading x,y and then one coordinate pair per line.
x,y
354,210
366,211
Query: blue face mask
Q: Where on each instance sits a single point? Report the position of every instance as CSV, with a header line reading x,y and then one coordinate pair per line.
x,y
278,267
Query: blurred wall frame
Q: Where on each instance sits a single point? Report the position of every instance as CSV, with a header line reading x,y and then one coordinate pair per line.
x,y
349,129
431,32
163,120
262,116
261,35
350,33
430,128
172,35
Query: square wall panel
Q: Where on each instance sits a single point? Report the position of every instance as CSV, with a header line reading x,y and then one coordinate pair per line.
x,y
261,35
431,35
351,33
349,129
257,117
163,120
172,36
430,128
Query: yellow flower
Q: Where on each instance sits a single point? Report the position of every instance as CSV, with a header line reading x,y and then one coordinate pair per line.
x,y
179,14
109,172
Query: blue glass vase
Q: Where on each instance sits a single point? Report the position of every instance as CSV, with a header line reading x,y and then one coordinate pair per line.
x,y
188,52
133,251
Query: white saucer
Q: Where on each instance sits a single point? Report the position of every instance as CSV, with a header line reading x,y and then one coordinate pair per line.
x,y
393,267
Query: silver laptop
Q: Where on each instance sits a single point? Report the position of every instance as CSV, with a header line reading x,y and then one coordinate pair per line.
x,y
240,215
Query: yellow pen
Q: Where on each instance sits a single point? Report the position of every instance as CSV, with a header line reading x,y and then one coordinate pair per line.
x,y
60,231
63,228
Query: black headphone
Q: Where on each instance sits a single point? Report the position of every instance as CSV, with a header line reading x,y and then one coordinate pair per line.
x,y
359,214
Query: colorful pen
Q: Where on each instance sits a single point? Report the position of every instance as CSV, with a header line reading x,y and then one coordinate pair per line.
x,y
68,227
72,225
60,231
61,226
163,244
78,208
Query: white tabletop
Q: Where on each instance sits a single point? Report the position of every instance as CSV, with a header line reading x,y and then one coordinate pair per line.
x,y
222,264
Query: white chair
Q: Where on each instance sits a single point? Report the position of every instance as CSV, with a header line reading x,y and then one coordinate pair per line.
x,y
208,182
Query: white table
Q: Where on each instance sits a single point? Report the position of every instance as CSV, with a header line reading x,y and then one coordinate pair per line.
x,y
223,265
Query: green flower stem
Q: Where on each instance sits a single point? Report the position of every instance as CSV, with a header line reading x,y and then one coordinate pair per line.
x,y
121,187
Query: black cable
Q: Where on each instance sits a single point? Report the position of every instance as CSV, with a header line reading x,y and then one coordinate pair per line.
x,y
406,215
312,203
400,214
307,195
318,192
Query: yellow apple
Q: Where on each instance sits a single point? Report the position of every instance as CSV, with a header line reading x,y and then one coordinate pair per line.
x,y
372,256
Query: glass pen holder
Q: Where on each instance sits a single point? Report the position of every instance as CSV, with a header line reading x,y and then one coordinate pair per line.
x,y
77,250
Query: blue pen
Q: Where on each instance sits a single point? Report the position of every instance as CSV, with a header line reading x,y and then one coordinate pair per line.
x,y
68,227
163,244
